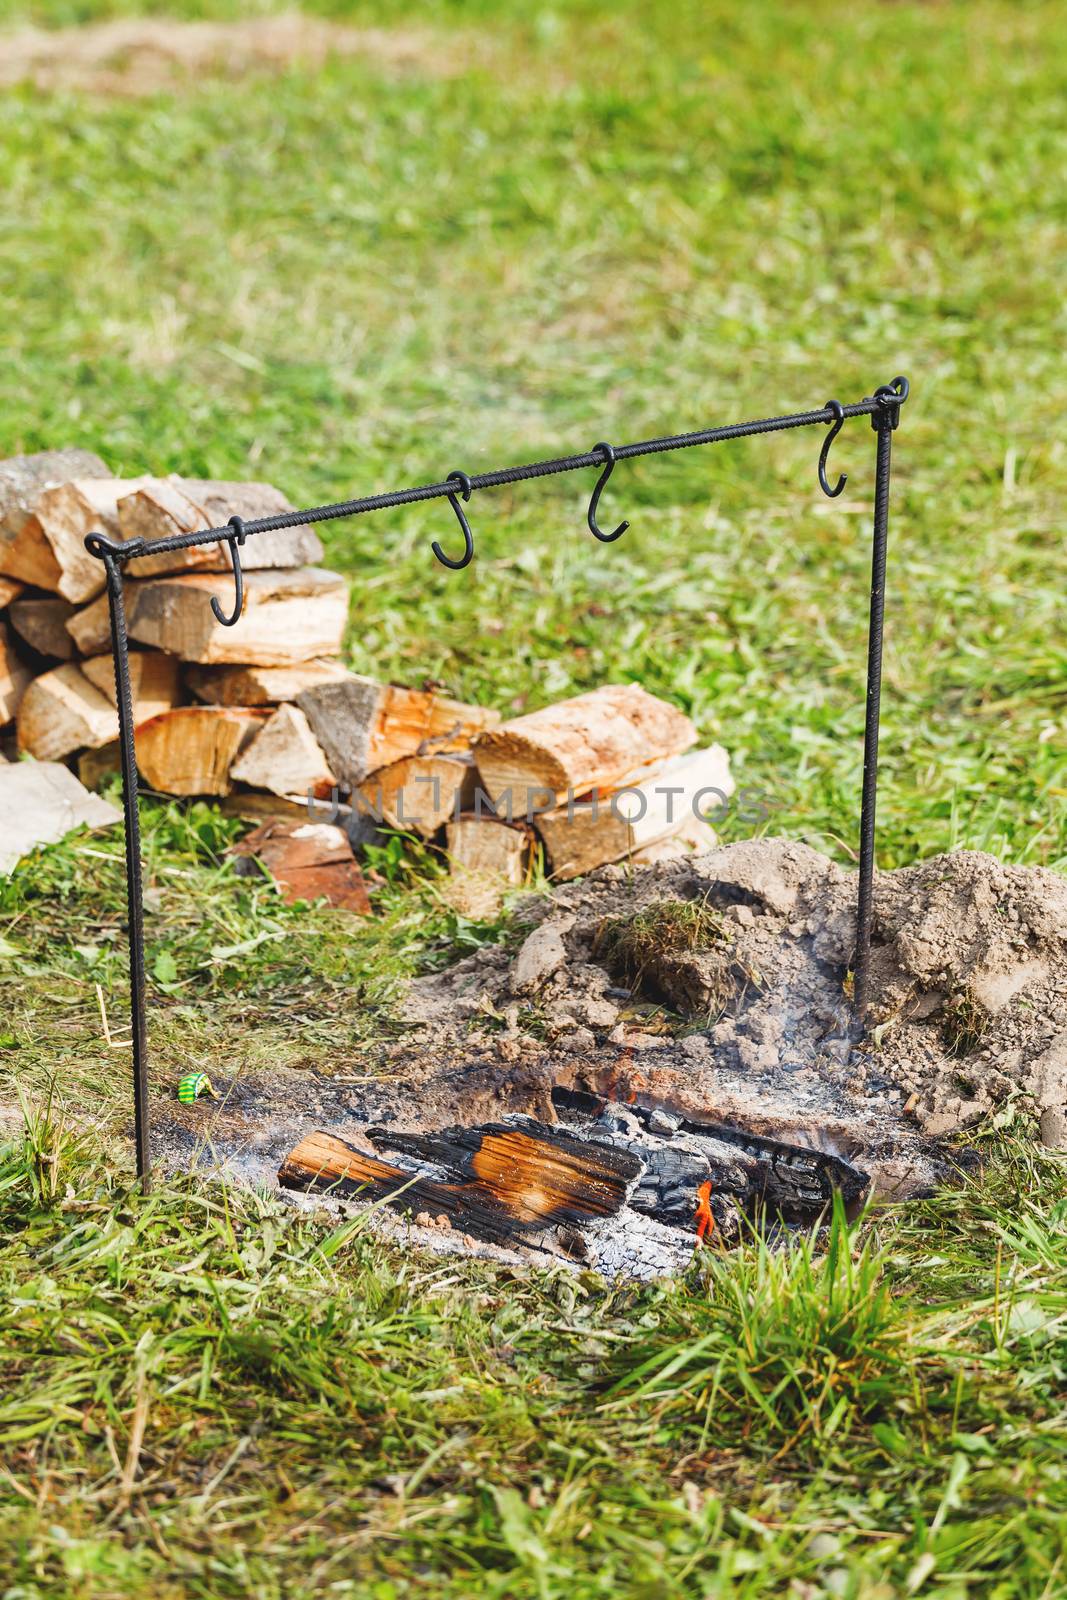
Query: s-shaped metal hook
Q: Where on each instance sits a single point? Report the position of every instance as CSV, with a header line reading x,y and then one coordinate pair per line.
x,y
836,407
464,484
608,455
235,540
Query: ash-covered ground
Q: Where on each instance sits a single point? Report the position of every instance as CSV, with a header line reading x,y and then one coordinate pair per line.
x,y
717,986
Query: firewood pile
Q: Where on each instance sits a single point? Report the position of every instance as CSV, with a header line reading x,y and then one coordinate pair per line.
x,y
266,715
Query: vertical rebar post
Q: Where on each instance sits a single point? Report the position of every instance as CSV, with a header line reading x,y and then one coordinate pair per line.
x,y
883,421
108,552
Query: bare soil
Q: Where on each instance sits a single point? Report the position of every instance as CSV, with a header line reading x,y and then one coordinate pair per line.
x,y
137,56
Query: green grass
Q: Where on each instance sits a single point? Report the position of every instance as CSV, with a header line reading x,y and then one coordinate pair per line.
x,y
559,224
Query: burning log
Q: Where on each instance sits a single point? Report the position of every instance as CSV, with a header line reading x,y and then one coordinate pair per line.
x,y
501,1181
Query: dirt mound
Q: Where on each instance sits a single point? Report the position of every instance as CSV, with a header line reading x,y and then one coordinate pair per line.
x,y
725,978
143,55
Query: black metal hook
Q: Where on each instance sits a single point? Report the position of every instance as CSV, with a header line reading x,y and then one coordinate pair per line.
x,y
464,483
839,421
608,455
236,539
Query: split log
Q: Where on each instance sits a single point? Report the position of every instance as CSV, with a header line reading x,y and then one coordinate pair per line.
x,y
61,712
94,766
59,524
692,838
586,834
10,588
597,741
153,681
41,620
40,802
24,551
487,858
163,507
288,616
190,750
421,793
363,725
509,1181
14,677
308,861
285,758
260,686
90,627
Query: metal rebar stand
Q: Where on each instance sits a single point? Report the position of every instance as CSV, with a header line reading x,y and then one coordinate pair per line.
x,y
883,408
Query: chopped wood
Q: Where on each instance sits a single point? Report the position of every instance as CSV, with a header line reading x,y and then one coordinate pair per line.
x,y
487,858
256,807
260,686
41,620
61,712
10,588
586,834
285,757
60,522
40,802
163,507
25,552
364,725
190,750
308,861
153,681
94,766
90,627
421,793
288,616
14,676
597,741
507,1180
692,838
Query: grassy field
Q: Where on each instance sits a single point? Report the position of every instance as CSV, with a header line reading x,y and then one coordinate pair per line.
x,y
541,228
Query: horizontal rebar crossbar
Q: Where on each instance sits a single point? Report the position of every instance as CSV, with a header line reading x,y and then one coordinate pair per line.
x,y
126,550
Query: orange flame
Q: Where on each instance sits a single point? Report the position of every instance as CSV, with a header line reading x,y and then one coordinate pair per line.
x,y
704,1220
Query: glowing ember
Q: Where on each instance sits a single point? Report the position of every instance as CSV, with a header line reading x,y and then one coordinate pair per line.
x,y
704,1220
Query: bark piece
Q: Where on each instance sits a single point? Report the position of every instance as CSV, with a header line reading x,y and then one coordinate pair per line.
x,y
190,750
62,519
260,686
153,681
487,859
14,676
10,588
288,616
308,861
421,793
585,835
507,1180
25,552
40,802
597,741
61,712
162,507
363,725
285,757
41,620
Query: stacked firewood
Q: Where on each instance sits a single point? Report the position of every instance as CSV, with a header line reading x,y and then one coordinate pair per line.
x,y
267,707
